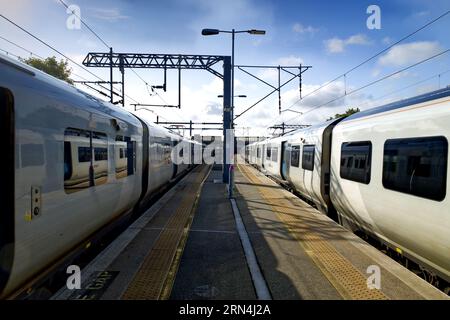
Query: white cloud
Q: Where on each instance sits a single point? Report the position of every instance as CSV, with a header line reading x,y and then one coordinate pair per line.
x,y
272,74
337,45
421,13
87,42
252,13
299,28
404,74
357,39
289,61
386,40
108,14
268,74
408,53
376,72
214,109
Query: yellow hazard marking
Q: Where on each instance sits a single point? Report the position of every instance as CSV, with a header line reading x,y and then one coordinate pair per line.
x,y
28,216
149,281
340,272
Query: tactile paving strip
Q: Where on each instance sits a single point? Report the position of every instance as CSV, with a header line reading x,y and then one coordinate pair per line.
x,y
149,280
347,280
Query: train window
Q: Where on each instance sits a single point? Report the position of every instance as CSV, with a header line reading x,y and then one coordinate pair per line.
x,y
67,161
268,153
275,154
125,157
308,157
84,154
100,163
355,161
258,152
78,171
167,148
417,166
295,156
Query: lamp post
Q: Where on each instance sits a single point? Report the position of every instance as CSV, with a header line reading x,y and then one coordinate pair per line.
x,y
229,177
210,32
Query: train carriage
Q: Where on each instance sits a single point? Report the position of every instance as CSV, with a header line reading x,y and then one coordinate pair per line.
x,y
390,176
383,171
73,165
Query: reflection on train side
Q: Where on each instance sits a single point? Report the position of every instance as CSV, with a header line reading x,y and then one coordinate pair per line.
x,y
125,157
85,159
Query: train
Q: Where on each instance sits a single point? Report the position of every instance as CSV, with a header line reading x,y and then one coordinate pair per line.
x,y
72,165
382,172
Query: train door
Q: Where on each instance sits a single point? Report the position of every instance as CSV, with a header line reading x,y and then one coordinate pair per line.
x,y
174,165
7,187
263,156
284,160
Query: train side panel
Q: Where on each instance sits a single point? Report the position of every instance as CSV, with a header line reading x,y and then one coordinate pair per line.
x,y
305,172
273,157
160,162
45,109
366,151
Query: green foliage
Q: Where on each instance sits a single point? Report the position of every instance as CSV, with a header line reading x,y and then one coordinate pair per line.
x,y
347,113
52,67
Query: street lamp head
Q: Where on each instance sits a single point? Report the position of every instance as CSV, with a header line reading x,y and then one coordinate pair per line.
x,y
257,32
210,32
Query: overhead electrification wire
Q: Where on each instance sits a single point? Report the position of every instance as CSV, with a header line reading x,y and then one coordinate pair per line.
x,y
107,46
49,46
20,47
409,86
151,91
31,53
373,57
56,50
9,53
372,83
85,24
96,35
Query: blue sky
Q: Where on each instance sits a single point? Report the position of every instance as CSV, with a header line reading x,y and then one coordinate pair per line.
x,y
329,35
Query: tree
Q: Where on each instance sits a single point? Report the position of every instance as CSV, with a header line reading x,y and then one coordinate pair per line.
x,y
52,67
347,113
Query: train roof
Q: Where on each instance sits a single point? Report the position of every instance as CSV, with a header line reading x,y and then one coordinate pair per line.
x,y
433,95
66,91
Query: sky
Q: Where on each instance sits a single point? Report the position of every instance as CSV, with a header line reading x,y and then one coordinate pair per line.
x,y
331,36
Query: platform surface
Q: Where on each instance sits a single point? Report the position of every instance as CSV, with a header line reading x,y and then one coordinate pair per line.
x,y
187,247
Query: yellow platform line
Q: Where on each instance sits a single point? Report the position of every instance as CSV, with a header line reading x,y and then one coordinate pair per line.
x,y
340,272
148,282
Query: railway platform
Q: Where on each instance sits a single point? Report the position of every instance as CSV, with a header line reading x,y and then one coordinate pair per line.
x,y
266,243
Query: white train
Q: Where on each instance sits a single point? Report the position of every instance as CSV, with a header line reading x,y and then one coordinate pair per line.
x,y
71,165
383,171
